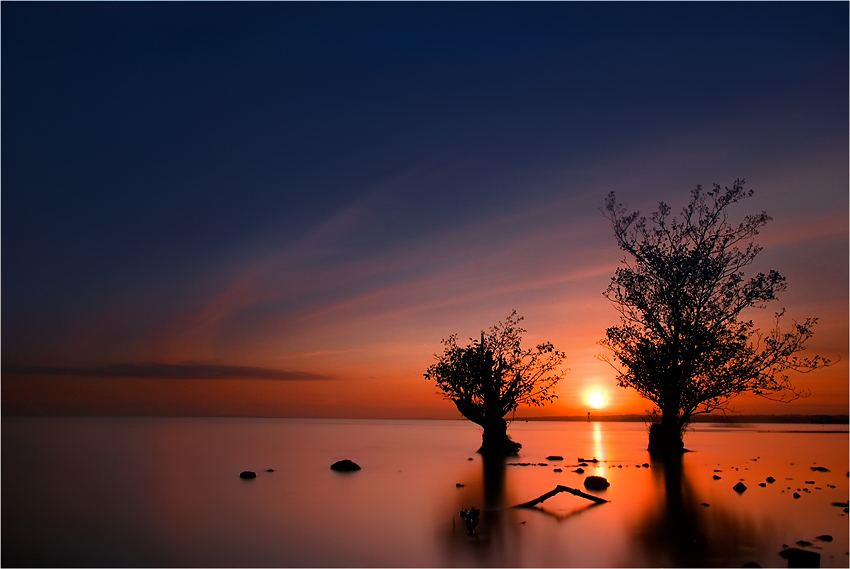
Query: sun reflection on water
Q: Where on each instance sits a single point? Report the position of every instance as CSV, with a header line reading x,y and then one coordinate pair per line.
x,y
598,442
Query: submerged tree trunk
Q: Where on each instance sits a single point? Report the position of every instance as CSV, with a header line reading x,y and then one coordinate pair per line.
x,y
495,439
665,438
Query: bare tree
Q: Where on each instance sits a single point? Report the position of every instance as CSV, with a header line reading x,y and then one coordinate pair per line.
x,y
490,378
681,342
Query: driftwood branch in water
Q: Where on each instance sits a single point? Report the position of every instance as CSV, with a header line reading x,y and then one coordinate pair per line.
x,y
558,489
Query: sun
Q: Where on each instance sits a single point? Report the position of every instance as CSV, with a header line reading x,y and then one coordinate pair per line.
x,y
596,399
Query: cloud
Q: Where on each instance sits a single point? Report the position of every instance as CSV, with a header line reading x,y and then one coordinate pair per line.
x,y
153,370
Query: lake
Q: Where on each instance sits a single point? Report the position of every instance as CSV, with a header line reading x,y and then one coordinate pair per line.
x,y
167,492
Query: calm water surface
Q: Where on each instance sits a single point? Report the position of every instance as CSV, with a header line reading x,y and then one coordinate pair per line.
x,y
167,492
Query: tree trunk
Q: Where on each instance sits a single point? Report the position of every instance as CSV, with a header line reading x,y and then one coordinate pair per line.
x,y
495,439
665,438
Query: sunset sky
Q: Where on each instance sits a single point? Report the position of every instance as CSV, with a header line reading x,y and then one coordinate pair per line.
x,y
280,209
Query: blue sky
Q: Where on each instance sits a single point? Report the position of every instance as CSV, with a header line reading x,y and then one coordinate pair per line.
x,y
331,188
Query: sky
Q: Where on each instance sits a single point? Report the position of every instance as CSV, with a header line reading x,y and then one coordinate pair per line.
x,y
280,209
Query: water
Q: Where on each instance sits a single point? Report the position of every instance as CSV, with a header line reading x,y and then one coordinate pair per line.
x,y
166,492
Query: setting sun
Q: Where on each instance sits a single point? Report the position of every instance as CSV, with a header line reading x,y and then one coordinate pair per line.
x,y
596,399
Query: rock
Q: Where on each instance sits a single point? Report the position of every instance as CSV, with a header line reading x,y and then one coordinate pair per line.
x,y
345,466
763,484
800,557
458,485
804,543
716,477
705,504
795,495
247,475
588,460
270,470
810,481
579,470
840,504
469,459
554,457
739,488
542,464
825,537
715,470
596,483
645,465
582,464
770,479
557,470
819,469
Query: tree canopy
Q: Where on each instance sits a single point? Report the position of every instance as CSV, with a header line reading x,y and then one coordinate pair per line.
x,y
491,377
680,293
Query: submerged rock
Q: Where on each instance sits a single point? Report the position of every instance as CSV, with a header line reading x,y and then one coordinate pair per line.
x,y
596,483
740,488
345,466
247,475
800,557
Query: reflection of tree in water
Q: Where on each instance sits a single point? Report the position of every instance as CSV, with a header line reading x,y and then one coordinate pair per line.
x,y
496,539
682,532
673,534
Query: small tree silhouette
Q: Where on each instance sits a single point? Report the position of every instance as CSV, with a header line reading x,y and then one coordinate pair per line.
x,y
490,378
680,294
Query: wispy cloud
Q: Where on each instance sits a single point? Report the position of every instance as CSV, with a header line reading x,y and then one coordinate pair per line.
x,y
153,370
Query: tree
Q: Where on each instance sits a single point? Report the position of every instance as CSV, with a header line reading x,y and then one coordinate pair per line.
x,y
489,378
681,341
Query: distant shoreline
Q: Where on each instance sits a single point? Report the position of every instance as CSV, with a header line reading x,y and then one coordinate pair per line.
x,y
796,419
625,418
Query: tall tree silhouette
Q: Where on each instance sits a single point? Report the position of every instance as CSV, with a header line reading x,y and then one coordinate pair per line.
x,y
490,378
681,342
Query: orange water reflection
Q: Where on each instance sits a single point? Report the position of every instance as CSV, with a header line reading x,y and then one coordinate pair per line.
x,y
166,492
